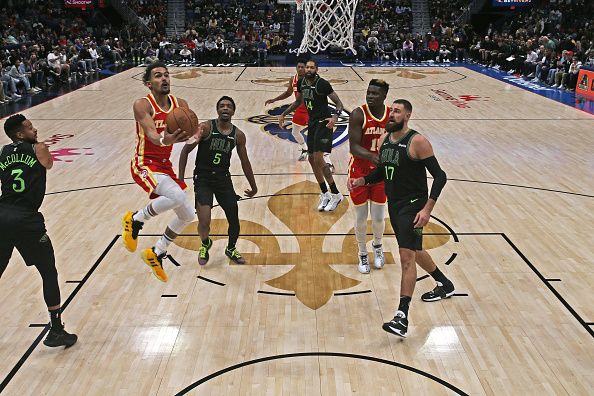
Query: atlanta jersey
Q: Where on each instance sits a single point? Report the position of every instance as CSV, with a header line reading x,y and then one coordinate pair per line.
x,y
372,131
150,158
300,116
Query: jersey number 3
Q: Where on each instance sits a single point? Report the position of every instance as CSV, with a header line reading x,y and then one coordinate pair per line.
x,y
20,187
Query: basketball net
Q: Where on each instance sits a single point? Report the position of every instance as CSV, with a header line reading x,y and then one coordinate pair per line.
x,y
328,22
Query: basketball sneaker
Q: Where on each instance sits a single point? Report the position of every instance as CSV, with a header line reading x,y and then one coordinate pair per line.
x,y
363,265
130,230
155,262
203,252
324,199
440,292
378,256
303,155
398,325
335,199
59,337
234,255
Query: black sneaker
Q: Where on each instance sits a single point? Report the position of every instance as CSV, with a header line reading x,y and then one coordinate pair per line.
x,y
440,292
398,325
203,252
59,337
234,255
136,226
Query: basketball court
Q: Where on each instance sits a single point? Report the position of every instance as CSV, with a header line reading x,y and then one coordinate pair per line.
x,y
512,229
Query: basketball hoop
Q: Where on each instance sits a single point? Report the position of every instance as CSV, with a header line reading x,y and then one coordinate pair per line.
x,y
328,22
299,5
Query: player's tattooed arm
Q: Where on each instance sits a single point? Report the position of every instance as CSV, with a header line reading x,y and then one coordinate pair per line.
x,y
339,108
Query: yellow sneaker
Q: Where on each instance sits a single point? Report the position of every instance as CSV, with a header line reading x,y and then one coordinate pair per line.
x,y
155,262
130,230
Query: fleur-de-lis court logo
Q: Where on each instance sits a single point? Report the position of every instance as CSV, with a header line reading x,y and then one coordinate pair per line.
x,y
312,277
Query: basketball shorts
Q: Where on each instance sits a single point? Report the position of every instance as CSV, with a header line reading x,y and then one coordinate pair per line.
x,y
300,117
214,184
375,193
319,137
145,175
402,216
24,230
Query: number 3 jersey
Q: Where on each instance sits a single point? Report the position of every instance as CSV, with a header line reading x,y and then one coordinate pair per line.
x,y
215,150
22,176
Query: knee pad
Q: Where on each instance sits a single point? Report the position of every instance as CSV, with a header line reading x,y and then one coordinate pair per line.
x,y
185,215
179,197
186,212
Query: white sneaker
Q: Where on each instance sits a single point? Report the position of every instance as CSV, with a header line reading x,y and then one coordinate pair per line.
x,y
334,201
324,200
378,259
363,265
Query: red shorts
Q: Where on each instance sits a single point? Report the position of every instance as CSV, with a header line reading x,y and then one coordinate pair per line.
x,y
300,117
145,178
372,192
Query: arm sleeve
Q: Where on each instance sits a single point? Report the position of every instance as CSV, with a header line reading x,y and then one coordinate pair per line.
x,y
377,175
439,176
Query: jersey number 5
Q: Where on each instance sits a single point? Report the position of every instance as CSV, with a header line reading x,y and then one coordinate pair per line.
x,y
17,178
217,159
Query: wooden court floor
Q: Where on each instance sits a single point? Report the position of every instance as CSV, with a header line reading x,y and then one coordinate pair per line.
x,y
513,229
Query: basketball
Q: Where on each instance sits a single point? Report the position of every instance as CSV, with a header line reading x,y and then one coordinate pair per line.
x,y
182,118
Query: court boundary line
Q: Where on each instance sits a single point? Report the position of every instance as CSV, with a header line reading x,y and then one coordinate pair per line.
x,y
472,68
39,338
585,324
337,174
321,354
539,275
